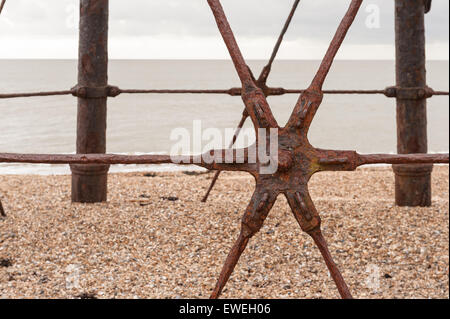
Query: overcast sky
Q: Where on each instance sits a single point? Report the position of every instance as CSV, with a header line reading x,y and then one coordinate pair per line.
x,y
185,29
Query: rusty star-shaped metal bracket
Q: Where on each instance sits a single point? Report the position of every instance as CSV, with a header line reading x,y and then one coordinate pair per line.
x,y
297,159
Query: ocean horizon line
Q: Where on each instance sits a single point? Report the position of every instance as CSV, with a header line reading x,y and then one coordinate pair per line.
x,y
211,59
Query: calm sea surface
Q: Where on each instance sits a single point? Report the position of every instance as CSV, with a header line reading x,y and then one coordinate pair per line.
x,y
143,123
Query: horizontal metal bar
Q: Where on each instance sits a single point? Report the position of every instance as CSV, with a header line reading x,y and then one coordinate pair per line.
x,y
174,91
87,159
113,159
233,92
404,159
34,94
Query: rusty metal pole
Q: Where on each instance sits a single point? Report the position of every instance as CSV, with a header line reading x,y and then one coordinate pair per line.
x,y
89,182
412,183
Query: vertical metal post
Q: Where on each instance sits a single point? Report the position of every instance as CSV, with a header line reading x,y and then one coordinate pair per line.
x,y
412,182
89,182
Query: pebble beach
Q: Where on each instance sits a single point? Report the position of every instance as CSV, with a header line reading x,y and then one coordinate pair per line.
x,y
154,238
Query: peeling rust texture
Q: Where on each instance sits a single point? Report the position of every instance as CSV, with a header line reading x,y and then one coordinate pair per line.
x,y
412,184
89,183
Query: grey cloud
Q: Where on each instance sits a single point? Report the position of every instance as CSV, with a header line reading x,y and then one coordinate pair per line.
x,y
315,19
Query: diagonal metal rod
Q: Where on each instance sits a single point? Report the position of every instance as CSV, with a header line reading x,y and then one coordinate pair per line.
x,y
336,43
253,97
34,94
310,101
217,174
266,70
2,211
230,263
231,44
332,267
261,82
2,5
237,160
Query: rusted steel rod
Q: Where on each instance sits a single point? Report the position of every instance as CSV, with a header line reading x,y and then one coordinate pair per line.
x,y
34,94
2,211
335,45
83,159
174,91
232,92
321,243
112,159
215,159
262,80
2,5
233,141
404,159
231,44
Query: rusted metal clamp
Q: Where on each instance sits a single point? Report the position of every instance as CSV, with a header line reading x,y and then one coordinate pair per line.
x,y
95,92
235,91
413,93
268,91
415,170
